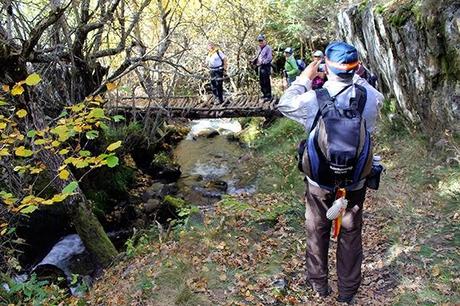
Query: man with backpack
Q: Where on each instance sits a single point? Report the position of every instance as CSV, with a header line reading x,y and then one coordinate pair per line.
x,y
217,64
291,69
336,156
263,63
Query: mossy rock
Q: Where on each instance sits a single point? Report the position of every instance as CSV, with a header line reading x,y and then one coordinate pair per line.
x,y
177,203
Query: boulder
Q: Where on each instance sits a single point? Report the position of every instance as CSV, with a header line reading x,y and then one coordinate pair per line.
x,y
151,206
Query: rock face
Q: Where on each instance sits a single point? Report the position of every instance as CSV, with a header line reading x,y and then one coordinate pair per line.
x,y
415,51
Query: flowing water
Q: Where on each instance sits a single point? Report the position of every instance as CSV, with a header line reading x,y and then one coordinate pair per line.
x,y
213,166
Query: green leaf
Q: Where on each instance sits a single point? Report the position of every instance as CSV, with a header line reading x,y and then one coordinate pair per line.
x,y
3,103
103,126
92,134
112,161
96,113
85,153
63,114
31,133
70,187
29,209
118,118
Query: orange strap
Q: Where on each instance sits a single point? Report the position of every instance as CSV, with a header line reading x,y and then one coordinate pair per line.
x,y
345,67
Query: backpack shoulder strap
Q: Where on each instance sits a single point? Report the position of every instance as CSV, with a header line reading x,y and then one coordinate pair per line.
x,y
361,97
220,57
323,99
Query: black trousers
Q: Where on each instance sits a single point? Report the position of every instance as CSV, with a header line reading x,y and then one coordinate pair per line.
x,y
217,84
264,80
349,248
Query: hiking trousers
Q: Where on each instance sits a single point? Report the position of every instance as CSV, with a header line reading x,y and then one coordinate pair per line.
x,y
264,80
217,83
349,243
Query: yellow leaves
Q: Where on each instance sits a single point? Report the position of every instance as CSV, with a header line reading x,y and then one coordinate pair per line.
x,y
77,107
23,152
4,152
111,86
64,174
63,152
2,125
17,90
62,131
21,113
33,79
40,141
59,197
114,146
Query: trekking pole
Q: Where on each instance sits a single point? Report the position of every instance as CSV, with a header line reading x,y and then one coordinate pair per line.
x,y
337,210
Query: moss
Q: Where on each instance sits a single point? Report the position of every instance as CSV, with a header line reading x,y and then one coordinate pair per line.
x,y
399,13
362,6
252,130
92,234
177,203
379,9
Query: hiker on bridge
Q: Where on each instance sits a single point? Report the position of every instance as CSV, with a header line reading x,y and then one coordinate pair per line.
x,y
263,65
339,117
291,69
217,64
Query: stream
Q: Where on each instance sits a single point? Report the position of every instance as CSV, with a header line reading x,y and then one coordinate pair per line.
x,y
213,163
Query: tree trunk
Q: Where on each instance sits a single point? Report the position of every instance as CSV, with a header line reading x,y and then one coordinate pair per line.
x,y
92,234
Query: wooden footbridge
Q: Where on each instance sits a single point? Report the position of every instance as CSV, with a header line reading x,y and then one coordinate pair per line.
x,y
197,107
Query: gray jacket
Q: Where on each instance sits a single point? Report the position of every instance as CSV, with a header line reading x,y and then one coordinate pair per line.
x,y
299,101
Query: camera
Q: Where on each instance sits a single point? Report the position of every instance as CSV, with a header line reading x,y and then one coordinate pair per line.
x,y
322,67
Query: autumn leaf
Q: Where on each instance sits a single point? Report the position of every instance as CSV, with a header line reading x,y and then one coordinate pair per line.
x,y
114,146
17,90
21,113
23,152
4,152
64,174
111,86
33,79
6,88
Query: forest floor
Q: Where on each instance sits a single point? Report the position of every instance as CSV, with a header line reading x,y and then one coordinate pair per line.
x,y
250,250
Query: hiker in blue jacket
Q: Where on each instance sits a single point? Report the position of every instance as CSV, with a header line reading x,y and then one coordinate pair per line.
x,y
300,103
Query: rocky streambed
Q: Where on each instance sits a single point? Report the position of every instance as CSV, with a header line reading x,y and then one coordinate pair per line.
x,y
206,165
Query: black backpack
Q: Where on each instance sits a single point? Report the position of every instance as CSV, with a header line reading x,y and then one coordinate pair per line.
x,y
338,150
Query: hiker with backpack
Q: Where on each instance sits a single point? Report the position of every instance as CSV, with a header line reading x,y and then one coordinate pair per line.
x,y
263,64
291,69
336,159
217,64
